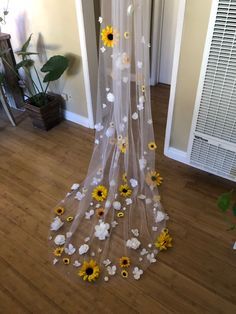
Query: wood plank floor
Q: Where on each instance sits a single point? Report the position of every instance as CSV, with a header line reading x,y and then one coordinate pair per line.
x,y
37,168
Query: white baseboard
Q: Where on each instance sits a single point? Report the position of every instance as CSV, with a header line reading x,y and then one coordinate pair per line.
x,y
76,118
176,154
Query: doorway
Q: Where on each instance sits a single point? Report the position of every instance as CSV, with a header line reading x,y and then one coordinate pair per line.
x,y
163,34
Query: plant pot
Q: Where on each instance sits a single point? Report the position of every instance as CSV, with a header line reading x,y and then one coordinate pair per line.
x,y
48,115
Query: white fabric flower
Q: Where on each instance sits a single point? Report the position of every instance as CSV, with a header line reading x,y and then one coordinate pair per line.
x,y
151,258
141,99
133,183
137,273
107,262
83,249
114,224
77,263
117,205
100,19
89,214
135,232
135,116
143,252
98,127
101,230
160,216
133,243
55,261
79,196
70,250
128,201
111,270
110,131
110,97
142,163
60,239
103,49
69,234
140,106
75,186
122,61
56,224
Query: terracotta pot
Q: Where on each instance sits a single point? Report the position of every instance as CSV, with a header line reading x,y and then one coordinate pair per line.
x,y
47,116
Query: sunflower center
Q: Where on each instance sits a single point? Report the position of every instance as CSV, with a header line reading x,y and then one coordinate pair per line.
x,y
125,190
99,193
154,178
89,271
125,262
110,36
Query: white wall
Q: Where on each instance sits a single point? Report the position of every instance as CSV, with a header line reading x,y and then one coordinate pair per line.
x,y
55,31
195,28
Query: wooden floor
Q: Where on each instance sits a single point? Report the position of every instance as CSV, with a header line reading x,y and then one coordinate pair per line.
x,y
37,168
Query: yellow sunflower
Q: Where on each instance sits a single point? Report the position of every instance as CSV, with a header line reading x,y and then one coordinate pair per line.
x,y
89,271
152,146
153,179
59,210
123,144
124,177
100,212
125,190
124,261
109,36
124,273
99,193
164,241
143,88
126,35
70,218
58,251
120,214
66,261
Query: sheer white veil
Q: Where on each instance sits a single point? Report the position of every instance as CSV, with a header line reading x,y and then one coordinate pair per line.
x,y
113,219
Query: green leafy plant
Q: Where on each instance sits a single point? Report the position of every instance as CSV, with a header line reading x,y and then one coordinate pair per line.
x,y
52,71
227,205
4,13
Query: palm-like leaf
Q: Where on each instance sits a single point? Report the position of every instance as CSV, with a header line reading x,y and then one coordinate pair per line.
x,y
54,68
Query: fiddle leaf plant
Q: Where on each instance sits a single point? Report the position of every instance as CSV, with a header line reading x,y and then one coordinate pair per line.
x,y
53,69
227,205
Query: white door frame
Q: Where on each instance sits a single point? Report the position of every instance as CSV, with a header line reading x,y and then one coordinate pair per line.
x,y
168,150
156,38
88,44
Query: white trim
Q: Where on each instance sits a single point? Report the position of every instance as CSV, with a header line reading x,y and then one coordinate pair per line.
x,y
176,154
76,118
156,38
205,58
80,13
178,39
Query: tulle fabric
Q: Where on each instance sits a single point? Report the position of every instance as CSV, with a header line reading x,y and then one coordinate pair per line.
x,y
124,154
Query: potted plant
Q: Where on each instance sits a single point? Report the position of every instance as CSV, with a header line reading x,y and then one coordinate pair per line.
x,y
44,108
227,205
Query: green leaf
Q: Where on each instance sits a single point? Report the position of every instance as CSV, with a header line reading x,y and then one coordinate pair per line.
x,y
25,53
224,201
234,209
24,64
54,68
25,45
